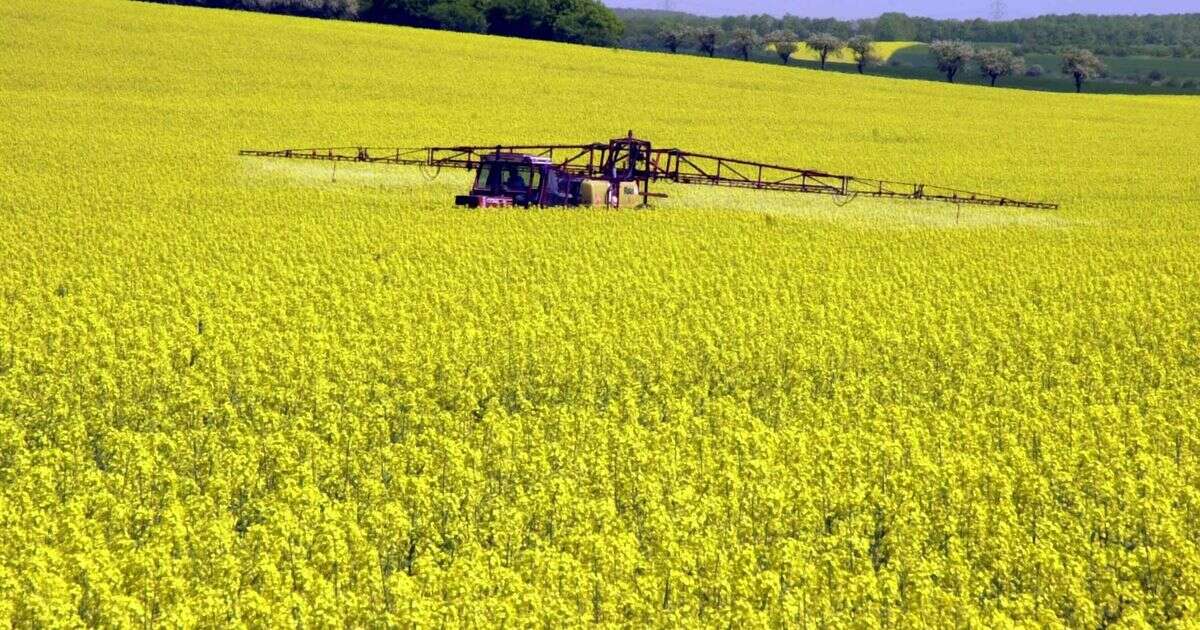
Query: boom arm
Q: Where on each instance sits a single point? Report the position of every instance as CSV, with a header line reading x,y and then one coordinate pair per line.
x,y
633,159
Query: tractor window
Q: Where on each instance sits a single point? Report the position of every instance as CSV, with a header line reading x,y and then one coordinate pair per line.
x,y
517,178
484,180
535,179
558,189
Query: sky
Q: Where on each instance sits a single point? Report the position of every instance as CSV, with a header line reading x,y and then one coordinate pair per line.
x,y
957,9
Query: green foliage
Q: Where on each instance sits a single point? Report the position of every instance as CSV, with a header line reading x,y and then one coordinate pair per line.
x,y
913,60
1124,35
742,41
585,22
458,15
575,21
824,44
236,392
673,37
951,57
519,18
863,51
1081,65
998,62
340,9
784,43
707,39
896,27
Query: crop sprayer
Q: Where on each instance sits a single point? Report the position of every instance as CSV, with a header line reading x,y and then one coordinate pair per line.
x,y
619,173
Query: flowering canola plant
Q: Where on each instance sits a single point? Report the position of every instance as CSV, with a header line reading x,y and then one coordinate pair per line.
x,y
247,392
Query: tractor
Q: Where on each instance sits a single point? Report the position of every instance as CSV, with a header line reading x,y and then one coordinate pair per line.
x,y
618,174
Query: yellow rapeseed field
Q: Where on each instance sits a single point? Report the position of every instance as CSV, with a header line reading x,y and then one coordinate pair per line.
x,y
883,52
236,392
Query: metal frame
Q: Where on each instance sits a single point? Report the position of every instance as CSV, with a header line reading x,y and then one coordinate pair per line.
x,y
598,161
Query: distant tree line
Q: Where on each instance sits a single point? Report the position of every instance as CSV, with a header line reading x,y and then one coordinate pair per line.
x,y
576,21
949,56
1116,35
338,9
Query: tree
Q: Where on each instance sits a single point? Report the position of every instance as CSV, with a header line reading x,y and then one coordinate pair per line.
x,y
784,43
672,37
1082,65
405,12
999,62
585,22
519,18
895,27
706,40
338,9
743,41
824,45
863,50
951,56
577,21
458,15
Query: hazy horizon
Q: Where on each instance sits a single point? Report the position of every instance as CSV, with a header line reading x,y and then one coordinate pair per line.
x,y
1009,9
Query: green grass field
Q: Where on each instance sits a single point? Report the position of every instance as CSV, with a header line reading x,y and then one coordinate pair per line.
x,y
239,392
1122,73
911,60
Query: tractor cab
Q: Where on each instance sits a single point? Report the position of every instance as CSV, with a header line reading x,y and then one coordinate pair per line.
x,y
514,179
619,178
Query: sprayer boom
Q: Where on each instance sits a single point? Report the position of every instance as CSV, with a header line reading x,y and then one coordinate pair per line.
x,y
629,160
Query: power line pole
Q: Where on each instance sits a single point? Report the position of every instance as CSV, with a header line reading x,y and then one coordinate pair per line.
x,y
999,11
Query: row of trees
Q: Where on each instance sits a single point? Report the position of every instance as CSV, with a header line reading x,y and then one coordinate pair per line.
x,y
995,63
950,56
1169,35
576,21
744,41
